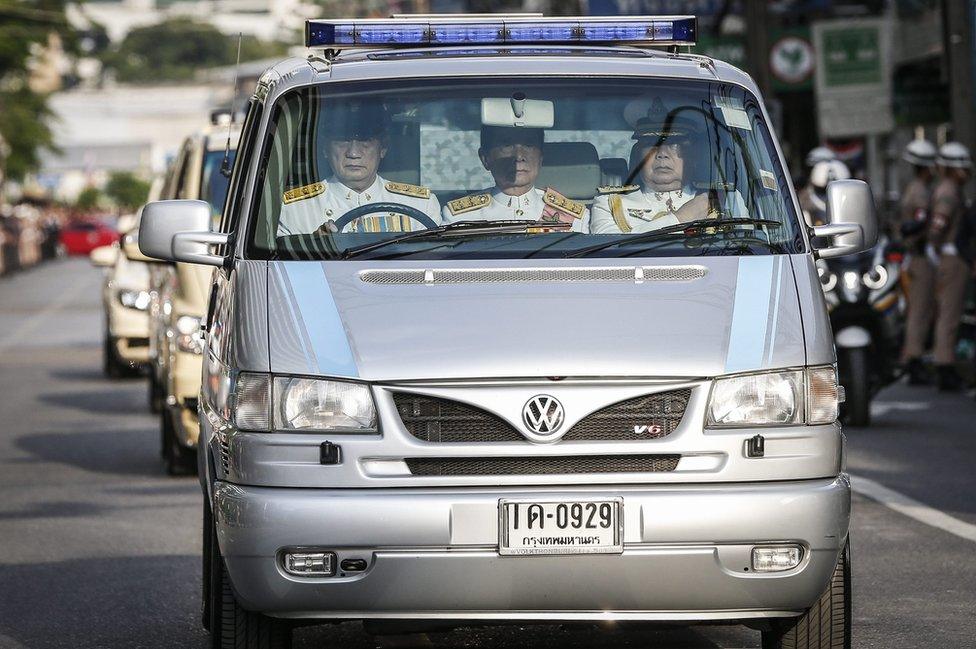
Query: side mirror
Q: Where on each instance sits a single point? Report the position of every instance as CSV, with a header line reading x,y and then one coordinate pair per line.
x,y
104,256
852,222
130,247
179,231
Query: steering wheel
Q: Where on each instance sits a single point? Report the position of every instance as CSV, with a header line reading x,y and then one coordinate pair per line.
x,y
372,208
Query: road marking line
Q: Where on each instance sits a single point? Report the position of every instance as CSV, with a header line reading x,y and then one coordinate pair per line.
x,y
913,508
61,301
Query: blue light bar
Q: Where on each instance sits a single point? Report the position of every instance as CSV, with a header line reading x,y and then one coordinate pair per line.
x,y
461,30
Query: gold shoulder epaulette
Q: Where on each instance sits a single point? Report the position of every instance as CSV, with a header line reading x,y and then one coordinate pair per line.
x,y
407,189
552,198
468,203
301,193
617,189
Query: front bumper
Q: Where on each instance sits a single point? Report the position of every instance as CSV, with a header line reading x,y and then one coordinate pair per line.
x,y
432,553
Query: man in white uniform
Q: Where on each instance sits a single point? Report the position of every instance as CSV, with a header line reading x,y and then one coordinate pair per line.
x,y
663,197
513,156
356,139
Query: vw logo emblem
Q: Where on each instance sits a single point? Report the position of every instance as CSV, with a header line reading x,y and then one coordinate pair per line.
x,y
542,414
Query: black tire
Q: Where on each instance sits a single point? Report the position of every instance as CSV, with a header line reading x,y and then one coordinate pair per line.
x,y
112,365
156,397
230,626
827,624
856,410
179,459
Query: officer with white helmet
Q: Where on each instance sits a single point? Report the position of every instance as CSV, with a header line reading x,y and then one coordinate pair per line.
x,y
819,154
813,197
355,136
951,269
913,214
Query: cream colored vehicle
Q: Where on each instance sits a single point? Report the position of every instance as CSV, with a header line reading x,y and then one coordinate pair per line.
x,y
178,301
125,298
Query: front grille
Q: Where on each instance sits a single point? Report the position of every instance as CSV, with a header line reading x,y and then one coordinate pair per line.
x,y
659,414
433,419
224,453
478,466
441,420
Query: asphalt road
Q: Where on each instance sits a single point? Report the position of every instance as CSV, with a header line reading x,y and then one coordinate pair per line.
x,y
98,548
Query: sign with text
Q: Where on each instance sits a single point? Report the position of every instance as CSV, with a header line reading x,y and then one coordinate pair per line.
x,y
853,77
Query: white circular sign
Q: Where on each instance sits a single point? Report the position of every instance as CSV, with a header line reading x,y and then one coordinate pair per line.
x,y
791,59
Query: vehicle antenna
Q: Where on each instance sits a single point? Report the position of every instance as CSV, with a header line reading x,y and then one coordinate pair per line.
x,y
225,167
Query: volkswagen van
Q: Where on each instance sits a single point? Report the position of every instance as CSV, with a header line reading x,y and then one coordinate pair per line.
x,y
612,399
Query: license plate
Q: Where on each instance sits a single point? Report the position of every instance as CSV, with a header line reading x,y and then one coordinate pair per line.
x,y
560,527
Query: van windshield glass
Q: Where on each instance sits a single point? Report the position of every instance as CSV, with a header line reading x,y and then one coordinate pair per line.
x,y
213,187
518,168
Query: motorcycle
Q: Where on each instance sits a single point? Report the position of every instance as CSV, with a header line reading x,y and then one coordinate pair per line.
x,y
866,307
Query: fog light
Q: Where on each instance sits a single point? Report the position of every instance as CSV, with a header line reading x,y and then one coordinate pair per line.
x,y
310,564
776,558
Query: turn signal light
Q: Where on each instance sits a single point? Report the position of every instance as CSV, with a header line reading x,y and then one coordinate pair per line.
x,y
776,558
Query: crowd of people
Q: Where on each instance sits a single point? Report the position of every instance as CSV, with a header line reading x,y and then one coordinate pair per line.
x,y
29,234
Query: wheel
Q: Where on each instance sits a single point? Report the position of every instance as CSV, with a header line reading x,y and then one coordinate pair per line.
x,y
112,365
230,626
179,459
156,396
827,624
856,410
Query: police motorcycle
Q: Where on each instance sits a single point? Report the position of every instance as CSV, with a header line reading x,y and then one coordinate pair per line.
x,y
866,307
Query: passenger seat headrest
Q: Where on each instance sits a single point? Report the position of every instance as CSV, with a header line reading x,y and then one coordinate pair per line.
x,y
571,168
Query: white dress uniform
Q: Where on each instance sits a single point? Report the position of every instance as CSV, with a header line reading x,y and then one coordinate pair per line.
x,y
534,205
630,209
305,209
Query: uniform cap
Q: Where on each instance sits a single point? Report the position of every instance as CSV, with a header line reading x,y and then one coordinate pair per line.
x,y
827,171
659,124
954,154
492,136
356,120
820,154
920,153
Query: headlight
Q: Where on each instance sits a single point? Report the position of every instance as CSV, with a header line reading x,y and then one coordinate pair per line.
x,y
130,299
876,278
784,398
828,280
323,405
189,336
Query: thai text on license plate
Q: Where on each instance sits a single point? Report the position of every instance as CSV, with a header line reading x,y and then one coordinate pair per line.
x,y
560,527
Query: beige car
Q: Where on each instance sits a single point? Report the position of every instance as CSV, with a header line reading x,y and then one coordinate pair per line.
x,y
178,301
125,297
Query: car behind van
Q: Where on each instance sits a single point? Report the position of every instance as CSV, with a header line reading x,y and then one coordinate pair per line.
x,y
595,382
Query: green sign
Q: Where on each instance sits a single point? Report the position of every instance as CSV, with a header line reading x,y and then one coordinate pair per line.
x,y
851,56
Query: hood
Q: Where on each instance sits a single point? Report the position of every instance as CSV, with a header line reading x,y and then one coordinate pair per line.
x,y
491,319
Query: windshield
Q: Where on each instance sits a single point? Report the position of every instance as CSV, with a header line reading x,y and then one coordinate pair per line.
x,y
588,167
213,186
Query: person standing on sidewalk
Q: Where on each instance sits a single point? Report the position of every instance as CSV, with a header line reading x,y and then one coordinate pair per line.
x,y
951,270
913,215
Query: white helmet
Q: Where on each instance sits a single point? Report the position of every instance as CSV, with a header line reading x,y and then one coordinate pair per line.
x,y
828,171
820,154
953,154
920,153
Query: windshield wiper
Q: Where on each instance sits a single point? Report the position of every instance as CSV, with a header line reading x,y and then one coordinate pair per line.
x,y
456,229
696,227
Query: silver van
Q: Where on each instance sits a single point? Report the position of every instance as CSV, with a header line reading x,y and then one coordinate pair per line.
x,y
516,320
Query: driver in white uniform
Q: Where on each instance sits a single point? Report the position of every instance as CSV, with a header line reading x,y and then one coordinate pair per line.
x,y
356,137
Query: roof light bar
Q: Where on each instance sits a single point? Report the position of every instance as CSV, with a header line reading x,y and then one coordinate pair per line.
x,y
436,31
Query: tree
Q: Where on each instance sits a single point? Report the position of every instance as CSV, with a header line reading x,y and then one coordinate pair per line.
x,y
88,199
177,49
25,24
126,190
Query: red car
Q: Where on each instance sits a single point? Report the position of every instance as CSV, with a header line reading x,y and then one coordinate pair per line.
x,y
81,237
